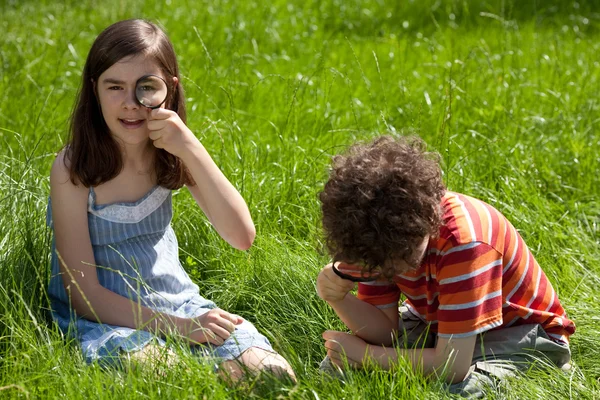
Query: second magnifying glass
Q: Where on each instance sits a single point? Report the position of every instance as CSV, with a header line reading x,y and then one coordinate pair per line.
x,y
151,91
354,273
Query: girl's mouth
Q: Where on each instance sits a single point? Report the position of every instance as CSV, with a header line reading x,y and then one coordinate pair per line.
x,y
131,123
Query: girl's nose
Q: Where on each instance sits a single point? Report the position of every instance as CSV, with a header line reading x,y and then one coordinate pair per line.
x,y
130,101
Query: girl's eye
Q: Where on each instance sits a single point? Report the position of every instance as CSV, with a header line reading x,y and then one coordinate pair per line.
x,y
114,88
147,88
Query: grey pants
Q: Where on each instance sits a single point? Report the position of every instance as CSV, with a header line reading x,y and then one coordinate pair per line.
x,y
498,354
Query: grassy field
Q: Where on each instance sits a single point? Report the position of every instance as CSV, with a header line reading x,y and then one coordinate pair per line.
x,y
506,92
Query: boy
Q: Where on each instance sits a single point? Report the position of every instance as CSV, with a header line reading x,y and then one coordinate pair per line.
x,y
477,303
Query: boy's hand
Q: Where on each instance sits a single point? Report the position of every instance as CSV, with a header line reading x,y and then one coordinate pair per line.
x,y
213,327
331,287
343,346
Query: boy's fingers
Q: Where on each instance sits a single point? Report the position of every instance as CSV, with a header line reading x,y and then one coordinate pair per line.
x,y
340,358
337,280
333,346
337,284
334,357
330,335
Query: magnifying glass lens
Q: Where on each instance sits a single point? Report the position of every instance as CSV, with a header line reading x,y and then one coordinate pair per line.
x,y
151,91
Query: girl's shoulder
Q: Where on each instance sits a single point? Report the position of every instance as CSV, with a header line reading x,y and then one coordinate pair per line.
x,y
63,187
61,167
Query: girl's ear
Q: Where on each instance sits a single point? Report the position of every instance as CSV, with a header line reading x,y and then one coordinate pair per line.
x,y
94,86
172,94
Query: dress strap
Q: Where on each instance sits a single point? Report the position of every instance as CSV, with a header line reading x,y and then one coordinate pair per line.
x,y
91,198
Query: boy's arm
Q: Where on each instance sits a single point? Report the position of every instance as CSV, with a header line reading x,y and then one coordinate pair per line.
x,y
366,321
451,358
376,326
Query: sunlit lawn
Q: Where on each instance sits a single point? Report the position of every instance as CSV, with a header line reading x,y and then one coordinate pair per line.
x,y
506,92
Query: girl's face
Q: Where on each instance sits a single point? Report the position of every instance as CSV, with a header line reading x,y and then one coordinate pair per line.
x,y
125,117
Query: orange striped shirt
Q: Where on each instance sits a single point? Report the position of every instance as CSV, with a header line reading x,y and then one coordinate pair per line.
x,y
476,276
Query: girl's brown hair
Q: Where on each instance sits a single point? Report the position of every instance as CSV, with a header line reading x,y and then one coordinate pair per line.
x,y
94,156
381,200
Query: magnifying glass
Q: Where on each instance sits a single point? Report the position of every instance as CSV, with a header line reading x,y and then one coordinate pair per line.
x,y
354,273
151,91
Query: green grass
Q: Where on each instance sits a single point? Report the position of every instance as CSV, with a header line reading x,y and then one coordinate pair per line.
x,y
506,92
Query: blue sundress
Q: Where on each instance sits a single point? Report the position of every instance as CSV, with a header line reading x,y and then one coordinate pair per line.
x,y
136,255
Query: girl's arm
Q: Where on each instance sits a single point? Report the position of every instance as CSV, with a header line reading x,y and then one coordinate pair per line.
x,y
216,196
219,200
77,266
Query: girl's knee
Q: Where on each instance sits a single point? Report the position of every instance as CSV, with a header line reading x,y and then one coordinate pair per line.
x,y
267,361
255,361
151,354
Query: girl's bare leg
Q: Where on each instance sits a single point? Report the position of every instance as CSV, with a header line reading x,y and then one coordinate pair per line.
x,y
256,360
253,361
151,355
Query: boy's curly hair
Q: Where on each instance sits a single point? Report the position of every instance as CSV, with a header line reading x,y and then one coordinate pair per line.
x,y
382,198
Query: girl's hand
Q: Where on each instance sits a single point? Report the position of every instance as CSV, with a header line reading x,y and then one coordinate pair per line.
x,y
331,287
344,346
213,327
167,131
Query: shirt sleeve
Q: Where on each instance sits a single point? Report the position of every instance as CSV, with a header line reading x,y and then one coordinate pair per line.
x,y
470,290
379,294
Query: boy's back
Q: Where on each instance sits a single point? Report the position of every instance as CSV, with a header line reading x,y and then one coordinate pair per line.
x,y
476,276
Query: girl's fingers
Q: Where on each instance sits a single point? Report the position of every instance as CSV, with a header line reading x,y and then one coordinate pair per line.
x,y
213,339
231,317
226,324
154,135
156,125
160,114
203,335
219,331
158,143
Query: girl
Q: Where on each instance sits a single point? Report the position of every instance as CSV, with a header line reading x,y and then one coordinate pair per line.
x,y
117,283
